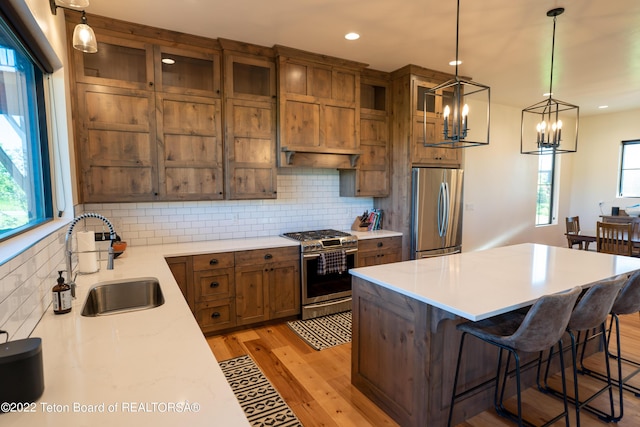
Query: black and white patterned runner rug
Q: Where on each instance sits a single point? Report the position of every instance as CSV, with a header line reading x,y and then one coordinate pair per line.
x,y
324,332
262,404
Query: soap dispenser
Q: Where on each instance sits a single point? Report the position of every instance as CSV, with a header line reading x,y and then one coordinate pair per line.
x,y
61,296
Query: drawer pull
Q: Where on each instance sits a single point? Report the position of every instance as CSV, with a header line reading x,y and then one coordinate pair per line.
x,y
214,284
268,256
215,315
213,261
380,244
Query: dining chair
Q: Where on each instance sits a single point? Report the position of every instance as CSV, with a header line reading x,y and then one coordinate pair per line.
x,y
613,238
573,227
535,331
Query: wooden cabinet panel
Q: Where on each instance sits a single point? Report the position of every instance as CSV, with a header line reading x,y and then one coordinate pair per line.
x,y
318,110
181,268
116,145
262,256
251,150
379,251
284,289
187,72
216,315
252,294
119,62
211,261
422,155
214,284
190,164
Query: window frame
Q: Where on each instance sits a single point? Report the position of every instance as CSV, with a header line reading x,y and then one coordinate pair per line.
x,y
39,141
550,219
621,168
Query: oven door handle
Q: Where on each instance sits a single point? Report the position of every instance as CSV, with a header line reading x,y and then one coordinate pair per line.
x,y
317,254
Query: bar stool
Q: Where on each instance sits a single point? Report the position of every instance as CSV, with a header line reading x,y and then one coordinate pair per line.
x,y
590,312
538,330
627,302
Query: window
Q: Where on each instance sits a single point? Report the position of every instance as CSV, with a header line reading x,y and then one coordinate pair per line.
x,y
25,188
546,189
629,183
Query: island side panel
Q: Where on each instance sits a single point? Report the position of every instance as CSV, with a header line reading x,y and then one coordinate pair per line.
x,y
389,358
404,354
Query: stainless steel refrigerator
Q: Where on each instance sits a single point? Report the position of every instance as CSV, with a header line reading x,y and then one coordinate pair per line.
x,y
436,212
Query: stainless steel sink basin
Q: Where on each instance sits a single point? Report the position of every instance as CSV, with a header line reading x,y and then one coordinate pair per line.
x,y
123,295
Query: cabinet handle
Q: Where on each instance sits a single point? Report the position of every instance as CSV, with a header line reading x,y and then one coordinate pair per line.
x,y
268,256
214,284
213,261
150,84
380,244
215,315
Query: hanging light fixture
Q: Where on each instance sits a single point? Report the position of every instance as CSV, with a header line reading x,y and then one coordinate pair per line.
x,y
84,39
459,99
542,123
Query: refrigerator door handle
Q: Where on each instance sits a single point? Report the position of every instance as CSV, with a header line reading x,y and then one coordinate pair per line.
x,y
441,208
447,197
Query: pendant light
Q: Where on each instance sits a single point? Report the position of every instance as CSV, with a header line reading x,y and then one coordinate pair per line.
x,y
84,39
543,123
456,102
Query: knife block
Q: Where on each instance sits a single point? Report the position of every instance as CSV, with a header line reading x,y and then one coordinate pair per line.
x,y
356,225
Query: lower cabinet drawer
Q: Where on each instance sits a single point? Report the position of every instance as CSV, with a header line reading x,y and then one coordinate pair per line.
x,y
216,315
214,284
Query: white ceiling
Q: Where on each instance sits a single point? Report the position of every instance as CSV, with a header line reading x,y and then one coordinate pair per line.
x,y
505,44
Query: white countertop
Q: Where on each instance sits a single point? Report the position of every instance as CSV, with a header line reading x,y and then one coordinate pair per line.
x,y
143,360
478,285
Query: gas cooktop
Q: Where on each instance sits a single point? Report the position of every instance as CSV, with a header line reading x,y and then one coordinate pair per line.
x,y
303,236
324,240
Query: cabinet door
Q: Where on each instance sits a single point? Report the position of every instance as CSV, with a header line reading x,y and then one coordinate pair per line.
x,y
373,165
119,62
250,78
213,284
181,269
216,315
284,289
251,164
187,72
190,159
116,144
252,294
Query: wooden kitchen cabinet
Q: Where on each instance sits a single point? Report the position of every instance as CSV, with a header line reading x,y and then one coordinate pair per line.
x,y
250,122
408,86
421,155
147,115
181,268
267,284
378,251
214,291
319,110
370,178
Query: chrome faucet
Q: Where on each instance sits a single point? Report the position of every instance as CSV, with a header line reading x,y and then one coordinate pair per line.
x,y
67,242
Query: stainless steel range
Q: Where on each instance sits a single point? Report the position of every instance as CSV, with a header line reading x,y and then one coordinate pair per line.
x,y
326,257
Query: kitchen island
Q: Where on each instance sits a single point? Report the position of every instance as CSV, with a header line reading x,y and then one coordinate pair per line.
x,y
405,314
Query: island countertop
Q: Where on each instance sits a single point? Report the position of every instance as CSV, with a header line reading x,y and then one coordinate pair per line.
x,y
477,285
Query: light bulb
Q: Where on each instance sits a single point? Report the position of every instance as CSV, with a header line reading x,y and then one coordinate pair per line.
x,y
559,126
447,110
465,110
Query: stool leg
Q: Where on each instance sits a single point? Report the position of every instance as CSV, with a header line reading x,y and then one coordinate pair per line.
x,y
455,380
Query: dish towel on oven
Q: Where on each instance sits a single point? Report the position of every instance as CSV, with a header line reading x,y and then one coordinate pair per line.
x,y
332,262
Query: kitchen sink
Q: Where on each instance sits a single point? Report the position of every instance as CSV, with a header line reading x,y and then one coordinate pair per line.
x,y
124,295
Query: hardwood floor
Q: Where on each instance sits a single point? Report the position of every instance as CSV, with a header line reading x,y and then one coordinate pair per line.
x,y
317,384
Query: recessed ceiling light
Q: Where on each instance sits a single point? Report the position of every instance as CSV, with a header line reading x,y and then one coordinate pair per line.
x,y
168,61
352,36
458,62
602,107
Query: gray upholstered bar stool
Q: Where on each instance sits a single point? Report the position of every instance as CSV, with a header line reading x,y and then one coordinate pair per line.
x,y
541,328
627,302
591,312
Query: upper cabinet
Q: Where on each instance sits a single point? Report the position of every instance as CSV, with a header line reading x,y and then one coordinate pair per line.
x,y
319,110
370,178
250,121
147,116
